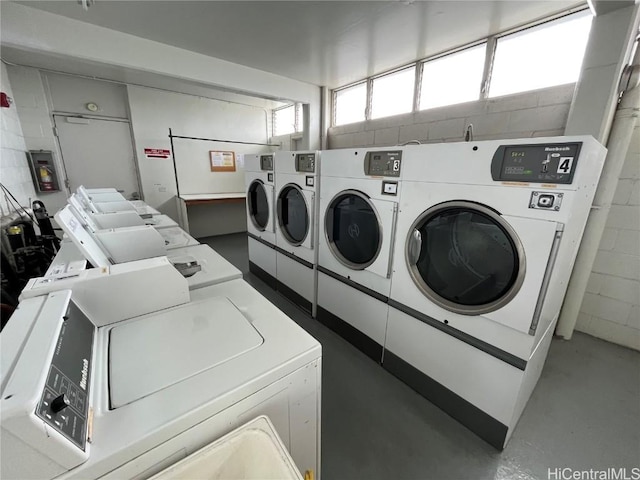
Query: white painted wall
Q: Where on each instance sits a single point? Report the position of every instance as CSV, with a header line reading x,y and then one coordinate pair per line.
x,y
14,168
611,306
71,94
35,30
38,95
530,114
153,112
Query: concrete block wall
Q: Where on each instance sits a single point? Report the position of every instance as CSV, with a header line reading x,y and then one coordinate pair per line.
x,y
15,174
35,118
531,114
611,305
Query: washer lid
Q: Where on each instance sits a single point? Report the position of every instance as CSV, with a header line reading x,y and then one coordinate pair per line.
x,y
158,350
175,237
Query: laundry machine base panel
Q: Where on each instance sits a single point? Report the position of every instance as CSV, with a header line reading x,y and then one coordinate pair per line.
x,y
262,261
296,280
357,317
475,387
263,275
485,426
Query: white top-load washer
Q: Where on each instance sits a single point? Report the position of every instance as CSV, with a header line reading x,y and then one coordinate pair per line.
x,y
109,200
200,264
296,187
68,259
359,191
487,236
261,218
123,218
173,235
89,394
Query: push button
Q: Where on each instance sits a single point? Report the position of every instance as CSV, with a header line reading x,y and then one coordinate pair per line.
x,y
546,201
59,403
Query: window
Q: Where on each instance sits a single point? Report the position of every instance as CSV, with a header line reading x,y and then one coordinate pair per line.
x,y
455,78
285,120
543,56
393,93
350,104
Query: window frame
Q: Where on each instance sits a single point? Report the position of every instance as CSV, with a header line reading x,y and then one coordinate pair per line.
x,y
387,73
490,42
334,100
297,116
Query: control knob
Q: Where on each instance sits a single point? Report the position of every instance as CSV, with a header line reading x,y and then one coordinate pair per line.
x,y
60,403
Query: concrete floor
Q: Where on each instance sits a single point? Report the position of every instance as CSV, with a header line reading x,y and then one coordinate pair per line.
x,y
584,414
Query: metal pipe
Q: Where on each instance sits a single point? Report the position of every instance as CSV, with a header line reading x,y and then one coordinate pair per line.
x,y
175,167
221,141
622,128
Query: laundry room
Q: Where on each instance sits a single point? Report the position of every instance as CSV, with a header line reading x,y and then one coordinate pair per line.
x,y
310,239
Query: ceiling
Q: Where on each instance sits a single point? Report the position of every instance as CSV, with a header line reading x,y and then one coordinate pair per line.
x,y
329,43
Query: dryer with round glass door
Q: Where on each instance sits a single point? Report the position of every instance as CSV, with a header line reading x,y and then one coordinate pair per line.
x,y
358,206
487,236
260,181
296,185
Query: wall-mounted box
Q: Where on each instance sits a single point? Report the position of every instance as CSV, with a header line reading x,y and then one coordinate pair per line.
x,y
43,170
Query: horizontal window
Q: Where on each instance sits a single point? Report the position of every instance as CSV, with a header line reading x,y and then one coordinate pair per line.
x,y
393,93
452,79
350,104
284,120
542,56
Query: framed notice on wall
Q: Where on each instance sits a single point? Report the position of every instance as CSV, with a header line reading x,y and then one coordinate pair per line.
x,y
222,161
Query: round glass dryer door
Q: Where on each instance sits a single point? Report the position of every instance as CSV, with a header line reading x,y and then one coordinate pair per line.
x,y
353,230
258,205
293,214
465,258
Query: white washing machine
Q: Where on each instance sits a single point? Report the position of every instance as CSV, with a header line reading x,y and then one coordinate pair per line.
x,y
359,191
297,181
487,236
261,218
68,259
199,264
129,398
124,218
173,235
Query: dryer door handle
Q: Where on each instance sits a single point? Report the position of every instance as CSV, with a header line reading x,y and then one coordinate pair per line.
x,y
415,246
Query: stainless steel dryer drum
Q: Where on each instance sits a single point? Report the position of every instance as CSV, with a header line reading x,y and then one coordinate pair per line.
x,y
487,235
261,215
297,184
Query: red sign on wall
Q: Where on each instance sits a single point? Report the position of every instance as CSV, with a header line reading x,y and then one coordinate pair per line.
x,y
157,153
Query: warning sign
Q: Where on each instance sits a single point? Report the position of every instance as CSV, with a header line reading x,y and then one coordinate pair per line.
x,y
157,153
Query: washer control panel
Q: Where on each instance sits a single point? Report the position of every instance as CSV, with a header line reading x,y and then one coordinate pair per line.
x,y
64,403
266,162
540,163
383,164
306,162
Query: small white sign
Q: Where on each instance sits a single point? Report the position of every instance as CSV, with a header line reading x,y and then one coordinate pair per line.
x,y
565,164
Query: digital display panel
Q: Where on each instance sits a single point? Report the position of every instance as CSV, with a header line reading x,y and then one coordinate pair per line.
x,y
306,162
541,163
266,162
383,164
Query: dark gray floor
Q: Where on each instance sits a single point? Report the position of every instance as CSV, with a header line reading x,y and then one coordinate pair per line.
x,y
584,413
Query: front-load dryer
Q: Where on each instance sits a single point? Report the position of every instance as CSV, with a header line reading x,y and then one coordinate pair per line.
x,y
359,191
260,181
130,398
297,184
487,236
